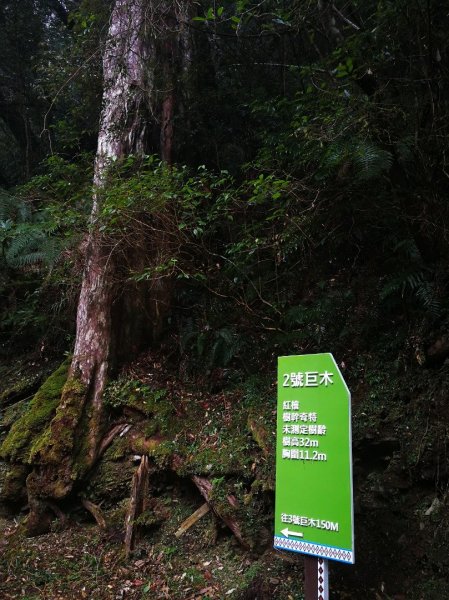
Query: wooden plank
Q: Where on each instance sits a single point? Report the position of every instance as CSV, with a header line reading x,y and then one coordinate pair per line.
x,y
194,518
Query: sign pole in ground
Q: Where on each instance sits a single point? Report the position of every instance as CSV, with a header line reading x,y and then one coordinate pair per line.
x,y
314,506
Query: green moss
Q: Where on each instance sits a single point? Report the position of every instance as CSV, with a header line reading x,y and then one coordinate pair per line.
x,y
115,515
129,393
111,482
13,413
155,514
12,490
118,449
217,448
151,428
162,453
62,435
16,446
260,433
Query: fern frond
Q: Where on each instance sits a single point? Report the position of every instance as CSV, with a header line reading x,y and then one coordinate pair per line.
x,y
415,281
32,245
363,159
370,161
26,260
408,249
337,154
25,239
426,293
416,285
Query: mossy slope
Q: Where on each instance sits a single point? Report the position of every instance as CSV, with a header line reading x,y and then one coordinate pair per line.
x,y
16,447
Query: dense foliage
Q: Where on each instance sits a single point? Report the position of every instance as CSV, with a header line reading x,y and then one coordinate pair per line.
x,y
314,141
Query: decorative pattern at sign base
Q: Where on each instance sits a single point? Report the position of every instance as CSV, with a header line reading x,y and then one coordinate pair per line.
x,y
323,580
329,552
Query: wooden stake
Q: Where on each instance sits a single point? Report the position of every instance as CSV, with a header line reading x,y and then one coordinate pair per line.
x,y
137,503
316,578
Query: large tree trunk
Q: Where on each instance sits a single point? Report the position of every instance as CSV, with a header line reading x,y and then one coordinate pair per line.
x,y
141,32
127,81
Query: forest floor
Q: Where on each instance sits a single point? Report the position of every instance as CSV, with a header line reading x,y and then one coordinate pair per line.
x,y
84,562
77,559
224,432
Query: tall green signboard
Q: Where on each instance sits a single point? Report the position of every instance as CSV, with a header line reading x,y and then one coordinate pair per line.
x,y
314,509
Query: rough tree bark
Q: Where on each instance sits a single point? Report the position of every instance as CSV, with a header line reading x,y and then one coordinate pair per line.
x,y
139,31
127,84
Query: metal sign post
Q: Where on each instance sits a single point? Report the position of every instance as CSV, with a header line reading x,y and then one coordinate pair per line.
x,y
314,507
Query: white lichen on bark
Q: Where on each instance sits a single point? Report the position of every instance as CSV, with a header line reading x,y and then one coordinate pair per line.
x,y
127,87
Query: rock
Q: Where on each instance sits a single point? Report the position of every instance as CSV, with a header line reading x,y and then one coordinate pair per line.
x,y
12,487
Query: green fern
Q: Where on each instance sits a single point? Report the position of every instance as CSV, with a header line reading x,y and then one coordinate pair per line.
x,y
413,284
216,347
427,296
408,249
28,239
224,348
412,277
370,161
362,159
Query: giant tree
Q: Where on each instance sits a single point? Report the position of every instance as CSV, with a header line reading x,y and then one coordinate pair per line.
x,y
146,50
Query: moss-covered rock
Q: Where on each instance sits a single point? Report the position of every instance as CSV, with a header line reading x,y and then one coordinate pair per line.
x,y
12,413
260,433
111,482
16,384
41,409
12,485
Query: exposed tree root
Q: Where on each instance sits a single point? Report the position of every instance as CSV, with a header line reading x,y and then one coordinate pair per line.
x,y
96,512
119,429
205,488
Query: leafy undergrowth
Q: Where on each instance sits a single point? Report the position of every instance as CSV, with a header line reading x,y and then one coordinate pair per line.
x,y
82,562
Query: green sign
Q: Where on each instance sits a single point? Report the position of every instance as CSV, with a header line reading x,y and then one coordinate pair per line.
x,y
314,512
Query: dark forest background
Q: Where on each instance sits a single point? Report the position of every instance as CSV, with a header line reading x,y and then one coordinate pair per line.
x,y
298,204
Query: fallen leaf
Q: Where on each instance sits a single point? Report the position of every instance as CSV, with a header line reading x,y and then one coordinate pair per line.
x,y
139,563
